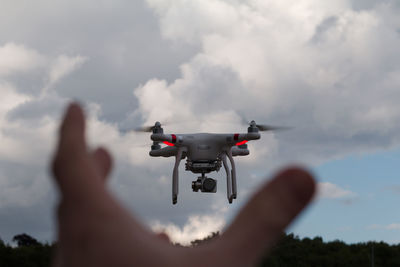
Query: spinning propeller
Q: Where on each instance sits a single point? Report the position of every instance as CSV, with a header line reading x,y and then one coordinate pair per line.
x,y
147,129
265,127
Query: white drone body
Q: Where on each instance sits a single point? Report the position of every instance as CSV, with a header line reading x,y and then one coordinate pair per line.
x,y
204,153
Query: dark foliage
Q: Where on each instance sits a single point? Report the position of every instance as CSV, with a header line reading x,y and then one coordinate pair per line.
x,y
290,251
293,251
29,253
212,236
24,240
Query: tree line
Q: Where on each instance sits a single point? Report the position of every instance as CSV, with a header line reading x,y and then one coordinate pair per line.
x,y
291,251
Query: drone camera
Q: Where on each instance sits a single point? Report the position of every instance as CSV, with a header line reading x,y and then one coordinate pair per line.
x,y
205,185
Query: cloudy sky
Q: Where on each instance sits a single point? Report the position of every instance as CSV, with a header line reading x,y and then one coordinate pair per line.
x,y
329,69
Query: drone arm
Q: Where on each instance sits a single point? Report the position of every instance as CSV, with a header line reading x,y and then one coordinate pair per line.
x,y
234,187
160,137
252,136
175,176
242,138
237,151
228,179
168,151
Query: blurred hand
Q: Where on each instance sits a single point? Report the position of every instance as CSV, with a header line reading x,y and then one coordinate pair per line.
x,y
95,230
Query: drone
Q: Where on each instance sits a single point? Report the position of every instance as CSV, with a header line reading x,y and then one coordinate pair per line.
x,y
204,153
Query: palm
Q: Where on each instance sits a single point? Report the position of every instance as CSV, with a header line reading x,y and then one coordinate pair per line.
x,y
95,230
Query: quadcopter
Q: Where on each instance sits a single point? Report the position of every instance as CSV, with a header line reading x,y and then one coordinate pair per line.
x,y
204,153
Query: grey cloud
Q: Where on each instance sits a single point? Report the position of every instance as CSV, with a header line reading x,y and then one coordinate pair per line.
x,y
121,41
370,4
26,201
38,108
323,27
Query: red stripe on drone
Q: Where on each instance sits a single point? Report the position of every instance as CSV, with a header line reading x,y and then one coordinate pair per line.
x,y
236,137
173,138
242,143
168,143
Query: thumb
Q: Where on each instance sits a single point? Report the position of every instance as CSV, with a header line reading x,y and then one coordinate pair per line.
x,y
260,224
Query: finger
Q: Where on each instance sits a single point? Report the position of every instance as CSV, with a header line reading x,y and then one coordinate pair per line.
x,y
71,159
103,161
268,213
71,141
72,131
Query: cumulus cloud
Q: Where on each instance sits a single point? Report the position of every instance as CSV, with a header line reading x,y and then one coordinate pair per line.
x,y
16,58
196,227
10,147
324,68
27,137
28,128
64,65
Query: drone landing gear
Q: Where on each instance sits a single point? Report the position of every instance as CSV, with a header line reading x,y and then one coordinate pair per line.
x,y
231,190
175,176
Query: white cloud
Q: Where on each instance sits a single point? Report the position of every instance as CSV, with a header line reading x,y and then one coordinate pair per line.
x,y
23,141
28,130
10,98
197,227
323,68
331,191
10,146
64,65
392,226
39,75
124,147
18,58
27,142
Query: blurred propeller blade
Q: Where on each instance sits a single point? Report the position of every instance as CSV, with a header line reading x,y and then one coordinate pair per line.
x,y
149,129
145,129
263,127
142,145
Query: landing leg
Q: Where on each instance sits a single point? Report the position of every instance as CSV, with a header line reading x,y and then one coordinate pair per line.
x,y
175,177
228,180
234,187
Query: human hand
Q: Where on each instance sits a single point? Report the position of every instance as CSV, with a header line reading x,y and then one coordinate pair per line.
x,y
95,230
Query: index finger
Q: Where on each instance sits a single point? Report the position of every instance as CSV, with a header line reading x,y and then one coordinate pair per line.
x,y
72,131
71,153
